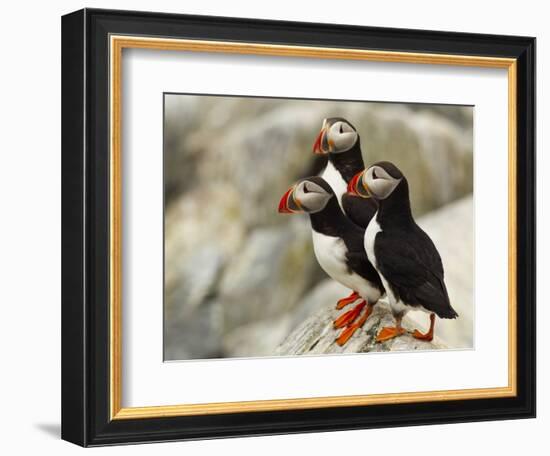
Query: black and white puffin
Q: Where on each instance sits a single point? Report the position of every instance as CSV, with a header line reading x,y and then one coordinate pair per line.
x,y
338,246
404,256
339,140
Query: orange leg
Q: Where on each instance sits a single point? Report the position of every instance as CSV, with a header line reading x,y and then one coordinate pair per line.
x,y
354,296
430,334
350,316
390,332
350,330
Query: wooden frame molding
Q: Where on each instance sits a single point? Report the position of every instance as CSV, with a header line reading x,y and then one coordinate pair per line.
x,y
116,46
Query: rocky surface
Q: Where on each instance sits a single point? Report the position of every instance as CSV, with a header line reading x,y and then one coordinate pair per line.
x,y
316,335
269,275
239,277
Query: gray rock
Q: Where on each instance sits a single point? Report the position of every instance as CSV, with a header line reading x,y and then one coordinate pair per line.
x,y
325,294
197,243
263,157
256,339
197,335
263,337
197,279
431,150
316,335
269,275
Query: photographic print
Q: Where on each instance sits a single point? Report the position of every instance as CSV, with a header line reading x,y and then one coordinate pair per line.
x,y
310,227
245,200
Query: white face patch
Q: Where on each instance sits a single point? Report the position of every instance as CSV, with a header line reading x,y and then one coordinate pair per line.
x,y
341,136
311,197
379,182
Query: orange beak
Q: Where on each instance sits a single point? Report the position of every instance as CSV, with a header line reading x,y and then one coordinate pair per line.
x,y
283,204
355,182
352,184
317,144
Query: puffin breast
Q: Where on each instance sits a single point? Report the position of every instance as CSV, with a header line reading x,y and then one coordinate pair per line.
x,y
336,181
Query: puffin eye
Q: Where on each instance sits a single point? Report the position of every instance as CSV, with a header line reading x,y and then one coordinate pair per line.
x,y
341,128
374,176
306,189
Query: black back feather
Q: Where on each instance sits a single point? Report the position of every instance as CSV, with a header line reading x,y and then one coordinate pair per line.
x,y
408,258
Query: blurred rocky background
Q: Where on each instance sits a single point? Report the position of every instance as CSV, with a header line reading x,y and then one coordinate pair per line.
x,y
240,278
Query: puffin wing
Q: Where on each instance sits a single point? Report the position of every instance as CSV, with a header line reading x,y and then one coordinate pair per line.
x,y
359,210
414,270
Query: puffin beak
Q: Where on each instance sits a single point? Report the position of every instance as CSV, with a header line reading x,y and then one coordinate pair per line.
x,y
283,204
317,145
355,184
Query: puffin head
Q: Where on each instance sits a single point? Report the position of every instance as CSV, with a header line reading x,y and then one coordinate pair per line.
x,y
309,195
337,135
378,181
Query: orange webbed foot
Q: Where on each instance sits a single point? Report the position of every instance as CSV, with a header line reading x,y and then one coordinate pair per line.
x,y
350,330
348,300
421,336
350,316
430,334
389,332
346,335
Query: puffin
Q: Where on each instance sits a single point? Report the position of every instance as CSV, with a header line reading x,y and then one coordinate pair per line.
x,y
338,247
404,256
340,141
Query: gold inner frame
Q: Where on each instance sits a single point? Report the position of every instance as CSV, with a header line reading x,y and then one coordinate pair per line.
x,y
117,44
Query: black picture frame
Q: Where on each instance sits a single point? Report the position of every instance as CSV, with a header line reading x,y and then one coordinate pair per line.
x,y
85,228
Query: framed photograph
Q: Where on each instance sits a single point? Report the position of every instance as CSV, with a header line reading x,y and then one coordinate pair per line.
x,y
279,227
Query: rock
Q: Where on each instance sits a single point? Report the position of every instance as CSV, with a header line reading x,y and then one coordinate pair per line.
x,y
325,294
193,321
197,279
431,150
196,336
263,156
180,162
316,335
207,215
269,275
257,339
263,337
198,242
